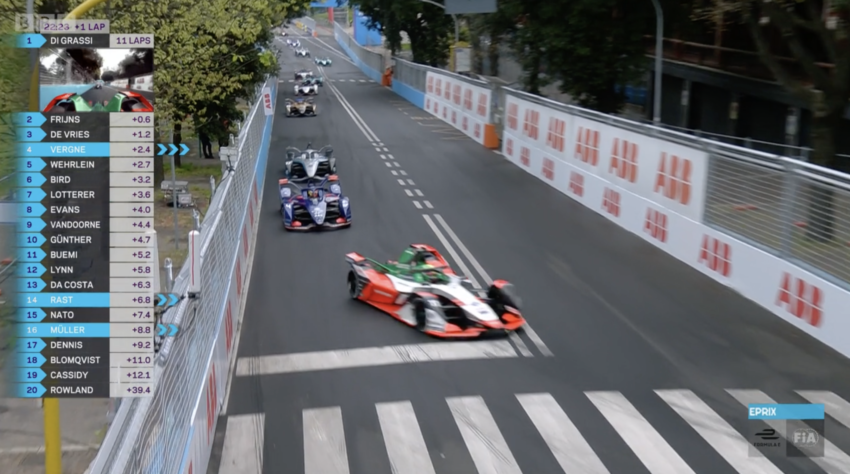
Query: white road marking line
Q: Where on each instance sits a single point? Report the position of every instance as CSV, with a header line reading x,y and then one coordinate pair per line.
x,y
728,443
358,120
244,442
571,450
497,152
409,192
535,339
486,445
380,144
652,450
834,461
418,206
401,182
377,149
404,173
428,204
383,157
394,172
386,149
835,406
362,80
406,448
396,164
324,442
373,357
352,80
460,263
391,157
389,165
410,182
419,193
520,345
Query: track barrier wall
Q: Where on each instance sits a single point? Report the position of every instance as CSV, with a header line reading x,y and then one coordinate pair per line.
x,y
772,228
173,431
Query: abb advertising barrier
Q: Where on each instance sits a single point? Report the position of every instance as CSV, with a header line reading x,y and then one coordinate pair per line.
x,y
656,189
462,105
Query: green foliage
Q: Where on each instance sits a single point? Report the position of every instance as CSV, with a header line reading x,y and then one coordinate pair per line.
x,y
430,30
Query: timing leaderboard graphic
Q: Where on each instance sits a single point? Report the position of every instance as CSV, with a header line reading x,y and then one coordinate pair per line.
x,y
85,318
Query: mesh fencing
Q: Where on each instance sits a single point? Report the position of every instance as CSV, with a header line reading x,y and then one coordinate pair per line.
x,y
150,435
369,58
411,74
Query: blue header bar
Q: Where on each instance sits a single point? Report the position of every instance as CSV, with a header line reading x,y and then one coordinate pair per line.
x,y
329,4
763,411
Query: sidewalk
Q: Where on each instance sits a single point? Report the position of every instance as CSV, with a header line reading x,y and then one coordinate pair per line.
x,y
22,434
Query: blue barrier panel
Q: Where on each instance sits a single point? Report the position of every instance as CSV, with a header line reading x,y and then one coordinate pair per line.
x,y
410,94
48,93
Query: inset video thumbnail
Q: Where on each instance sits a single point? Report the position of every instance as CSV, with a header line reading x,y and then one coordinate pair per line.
x,y
96,80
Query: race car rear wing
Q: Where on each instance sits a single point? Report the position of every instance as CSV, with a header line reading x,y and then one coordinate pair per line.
x,y
356,260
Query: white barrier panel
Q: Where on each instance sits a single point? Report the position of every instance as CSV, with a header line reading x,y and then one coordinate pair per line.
x,y
669,174
120,83
464,106
143,83
808,302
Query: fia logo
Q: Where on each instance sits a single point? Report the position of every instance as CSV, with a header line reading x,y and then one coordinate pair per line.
x,y
805,438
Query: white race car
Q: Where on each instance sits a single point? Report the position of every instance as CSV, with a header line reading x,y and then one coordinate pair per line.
x,y
307,88
293,43
303,75
326,61
302,53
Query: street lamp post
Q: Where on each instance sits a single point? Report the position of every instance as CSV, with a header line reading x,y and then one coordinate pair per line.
x,y
659,61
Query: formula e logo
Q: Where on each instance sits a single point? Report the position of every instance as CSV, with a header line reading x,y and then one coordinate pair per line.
x,y
532,119
673,180
525,157
801,299
548,169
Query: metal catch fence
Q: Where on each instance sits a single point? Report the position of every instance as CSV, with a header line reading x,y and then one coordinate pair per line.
x,y
151,435
370,58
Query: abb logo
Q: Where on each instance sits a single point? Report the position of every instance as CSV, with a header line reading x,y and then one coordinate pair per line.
x,y
436,107
587,146
611,202
430,86
228,328
427,103
509,147
530,124
716,255
447,91
212,401
513,116
624,159
467,100
482,105
656,225
465,123
456,94
673,180
548,168
439,88
454,117
801,299
239,277
268,101
577,184
477,130
445,113
555,137
525,156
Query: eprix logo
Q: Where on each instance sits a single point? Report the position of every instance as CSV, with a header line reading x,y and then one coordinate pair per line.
x,y
805,438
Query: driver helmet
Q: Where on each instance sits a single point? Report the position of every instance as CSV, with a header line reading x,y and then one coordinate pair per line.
x,y
432,274
313,193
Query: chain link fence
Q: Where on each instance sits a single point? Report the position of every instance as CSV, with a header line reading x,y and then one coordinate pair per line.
x,y
151,435
56,68
369,58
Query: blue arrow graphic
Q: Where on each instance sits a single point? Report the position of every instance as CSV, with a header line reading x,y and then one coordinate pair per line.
x,y
162,299
172,330
33,315
161,330
184,148
31,195
173,299
32,225
31,255
31,285
172,149
30,134
31,165
31,390
29,119
31,270
162,149
31,210
31,41
30,360
30,345
30,375
31,180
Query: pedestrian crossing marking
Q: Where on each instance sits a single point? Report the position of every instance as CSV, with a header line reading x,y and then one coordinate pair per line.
x,y
835,406
647,444
719,434
406,447
324,442
482,436
245,456
834,461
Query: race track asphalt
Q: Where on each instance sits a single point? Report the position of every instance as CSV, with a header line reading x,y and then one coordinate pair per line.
x,y
616,313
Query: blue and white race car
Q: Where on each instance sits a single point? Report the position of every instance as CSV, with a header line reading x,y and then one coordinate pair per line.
x,y
318,204
325,61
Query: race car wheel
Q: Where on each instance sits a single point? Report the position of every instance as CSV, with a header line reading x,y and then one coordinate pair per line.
x,y
504,295
353,286
419,313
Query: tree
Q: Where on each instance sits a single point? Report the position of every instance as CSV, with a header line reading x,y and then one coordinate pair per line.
x,y
808,31
139,62
427,26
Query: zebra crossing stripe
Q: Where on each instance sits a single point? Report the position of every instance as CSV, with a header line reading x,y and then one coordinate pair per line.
x,y
324,442
719,434
835,406
243,454
406,447
834,461
484,440
647,444
571,450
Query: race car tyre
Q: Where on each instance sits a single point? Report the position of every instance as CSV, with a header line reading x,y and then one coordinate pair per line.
x,y
353,286
504,295
419,313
